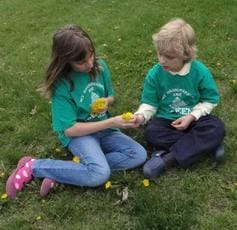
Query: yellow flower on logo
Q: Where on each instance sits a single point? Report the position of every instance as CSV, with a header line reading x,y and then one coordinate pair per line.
x,y
146,182
127,116
76,159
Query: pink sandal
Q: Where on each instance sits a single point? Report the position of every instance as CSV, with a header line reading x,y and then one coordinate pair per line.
x,y
46,186
16,182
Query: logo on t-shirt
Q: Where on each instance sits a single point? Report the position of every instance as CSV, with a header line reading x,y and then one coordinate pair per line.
x,y
179,106
175,98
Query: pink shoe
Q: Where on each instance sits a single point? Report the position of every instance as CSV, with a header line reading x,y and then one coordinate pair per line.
x,y
11,188
46,186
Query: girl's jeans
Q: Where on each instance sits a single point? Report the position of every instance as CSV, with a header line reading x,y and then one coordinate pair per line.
x,y
99,153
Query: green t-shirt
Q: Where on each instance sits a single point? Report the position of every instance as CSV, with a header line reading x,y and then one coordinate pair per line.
x,y
173,95
71,106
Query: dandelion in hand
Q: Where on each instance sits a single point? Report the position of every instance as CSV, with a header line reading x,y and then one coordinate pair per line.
x,y
98,106
127,116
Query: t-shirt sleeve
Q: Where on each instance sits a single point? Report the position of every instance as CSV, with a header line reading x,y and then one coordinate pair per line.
x,y
64,112
208,89
149,94
107,79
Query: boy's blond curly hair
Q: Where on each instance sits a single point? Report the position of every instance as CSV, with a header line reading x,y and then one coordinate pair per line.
x,y
176,37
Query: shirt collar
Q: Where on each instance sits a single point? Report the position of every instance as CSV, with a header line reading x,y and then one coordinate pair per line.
x,y
184,71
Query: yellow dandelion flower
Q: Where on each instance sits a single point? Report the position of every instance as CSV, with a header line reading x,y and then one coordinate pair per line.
x,y
127,116
38,218
108,185
233,81
57,150
235,184
4,196
76,159
146,182
2,174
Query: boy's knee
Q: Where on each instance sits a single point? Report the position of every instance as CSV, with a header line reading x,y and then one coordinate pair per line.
x,y
150,135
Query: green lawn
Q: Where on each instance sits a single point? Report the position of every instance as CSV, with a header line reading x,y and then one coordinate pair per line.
x,y
203,197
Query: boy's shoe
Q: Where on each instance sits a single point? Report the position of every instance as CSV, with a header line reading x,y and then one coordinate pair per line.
x,y
219,154
154,167
158,153
46,186
16,182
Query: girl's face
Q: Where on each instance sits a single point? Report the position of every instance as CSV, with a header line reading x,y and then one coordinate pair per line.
x,y
85,65
170,62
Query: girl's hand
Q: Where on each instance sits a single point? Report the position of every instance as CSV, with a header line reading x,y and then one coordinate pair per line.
x,y
108,101
119,122
101,105
106,105
183,123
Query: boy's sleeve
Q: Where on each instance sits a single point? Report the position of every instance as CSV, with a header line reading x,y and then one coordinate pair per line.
x,y
202,109
147,111
64,112
209,96
208,89
149,94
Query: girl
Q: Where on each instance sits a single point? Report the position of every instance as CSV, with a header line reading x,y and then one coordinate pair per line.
x,y
179,94
75,80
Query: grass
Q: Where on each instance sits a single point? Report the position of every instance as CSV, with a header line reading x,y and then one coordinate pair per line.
x,y
202,197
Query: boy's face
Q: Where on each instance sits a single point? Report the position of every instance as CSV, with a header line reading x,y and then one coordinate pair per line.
x,y
170,62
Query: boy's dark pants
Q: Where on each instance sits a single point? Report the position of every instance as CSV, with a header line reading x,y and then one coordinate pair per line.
x,y
188,146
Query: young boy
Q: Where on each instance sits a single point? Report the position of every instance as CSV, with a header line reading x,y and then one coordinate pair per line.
x,y
178,96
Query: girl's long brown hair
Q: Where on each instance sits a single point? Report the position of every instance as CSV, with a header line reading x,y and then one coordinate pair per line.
x,y
70,44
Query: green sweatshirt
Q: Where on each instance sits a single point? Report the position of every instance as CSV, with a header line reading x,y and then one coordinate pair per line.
x,y
71,106
173,95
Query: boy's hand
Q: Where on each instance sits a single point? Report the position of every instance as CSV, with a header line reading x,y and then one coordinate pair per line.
x,y
139,119
183,123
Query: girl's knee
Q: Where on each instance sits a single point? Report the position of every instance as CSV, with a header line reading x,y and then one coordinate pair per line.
x,y
98,176
136,157
141,156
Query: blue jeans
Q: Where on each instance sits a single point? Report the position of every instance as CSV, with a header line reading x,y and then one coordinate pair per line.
x,y
99,153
